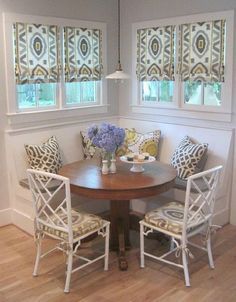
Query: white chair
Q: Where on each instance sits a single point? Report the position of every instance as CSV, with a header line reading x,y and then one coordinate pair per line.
x,y
55,218
182,221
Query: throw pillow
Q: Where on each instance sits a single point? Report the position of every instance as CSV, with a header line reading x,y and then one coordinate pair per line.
x,y
89,150
45,157
187,156
144,142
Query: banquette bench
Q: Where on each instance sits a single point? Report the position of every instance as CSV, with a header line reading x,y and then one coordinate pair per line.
x,y
70,144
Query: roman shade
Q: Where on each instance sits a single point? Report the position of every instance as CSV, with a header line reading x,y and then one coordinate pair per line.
x,y
37,58
201,51
155,53
82,54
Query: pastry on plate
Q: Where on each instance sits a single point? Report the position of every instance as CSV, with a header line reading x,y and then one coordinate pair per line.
x,y
146,155
130,156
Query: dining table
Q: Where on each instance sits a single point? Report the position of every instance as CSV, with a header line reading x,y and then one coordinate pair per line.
x,y
86,179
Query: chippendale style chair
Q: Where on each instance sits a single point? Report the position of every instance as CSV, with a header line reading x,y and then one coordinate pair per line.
x,y
55,218
182,221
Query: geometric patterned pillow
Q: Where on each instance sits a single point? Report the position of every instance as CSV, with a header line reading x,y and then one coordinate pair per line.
x,y
148,142
45,157
187,156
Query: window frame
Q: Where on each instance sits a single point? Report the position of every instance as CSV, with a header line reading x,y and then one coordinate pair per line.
x,y
178,108
84,108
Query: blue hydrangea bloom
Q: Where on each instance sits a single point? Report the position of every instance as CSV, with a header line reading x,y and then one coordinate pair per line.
x,y
107,136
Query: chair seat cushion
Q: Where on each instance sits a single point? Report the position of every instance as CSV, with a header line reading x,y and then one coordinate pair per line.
x,y
170,218
82,223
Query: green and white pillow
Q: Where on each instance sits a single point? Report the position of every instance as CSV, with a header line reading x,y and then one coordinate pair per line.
x,y
45,157
188,158
144,142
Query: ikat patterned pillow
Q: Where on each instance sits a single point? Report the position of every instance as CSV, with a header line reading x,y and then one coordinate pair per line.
x,y
45,157
187,156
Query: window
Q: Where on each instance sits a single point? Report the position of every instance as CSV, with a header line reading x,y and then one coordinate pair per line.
x,y
184,64
36,96
202,61
199,93
155,63
83,65
56,64
37,65
157,91
82,92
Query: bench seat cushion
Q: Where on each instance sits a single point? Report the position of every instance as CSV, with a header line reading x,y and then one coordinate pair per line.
x,y
181,184
51,186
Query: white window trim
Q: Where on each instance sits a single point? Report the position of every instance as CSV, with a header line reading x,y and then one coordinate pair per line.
x,y
49,113
178,108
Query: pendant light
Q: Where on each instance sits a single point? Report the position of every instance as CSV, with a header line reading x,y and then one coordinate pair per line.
x,y
119,74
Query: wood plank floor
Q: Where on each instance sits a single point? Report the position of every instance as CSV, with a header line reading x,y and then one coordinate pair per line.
x,y
156,282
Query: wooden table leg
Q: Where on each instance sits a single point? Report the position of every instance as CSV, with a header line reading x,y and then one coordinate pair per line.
x,y
120,229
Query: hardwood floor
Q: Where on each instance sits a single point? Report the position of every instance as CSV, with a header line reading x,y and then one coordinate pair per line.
x,y
156,282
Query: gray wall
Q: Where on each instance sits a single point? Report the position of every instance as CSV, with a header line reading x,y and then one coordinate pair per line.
x,y
143,10
92,10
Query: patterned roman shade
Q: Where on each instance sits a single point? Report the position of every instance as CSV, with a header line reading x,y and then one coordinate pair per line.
x,y
83,54
201,51
155,53
37,58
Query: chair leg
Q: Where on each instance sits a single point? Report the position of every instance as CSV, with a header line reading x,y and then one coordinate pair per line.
x,y
185,264
141,246
172,244
209,252
69,269
38,254
107,238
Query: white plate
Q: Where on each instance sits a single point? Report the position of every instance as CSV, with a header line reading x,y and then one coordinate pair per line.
x,y
137,165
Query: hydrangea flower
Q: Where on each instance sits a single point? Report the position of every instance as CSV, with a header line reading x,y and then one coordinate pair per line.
x,y
107,136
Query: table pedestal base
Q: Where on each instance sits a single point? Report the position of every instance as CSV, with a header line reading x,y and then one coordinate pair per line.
x,y
120,230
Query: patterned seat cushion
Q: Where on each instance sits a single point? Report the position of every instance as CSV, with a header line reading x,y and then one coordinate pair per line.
x,y
170,218
187,156
45,157
82,223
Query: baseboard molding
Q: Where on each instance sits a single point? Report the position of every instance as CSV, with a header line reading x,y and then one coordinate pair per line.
x,y
23,221
222,217
5,217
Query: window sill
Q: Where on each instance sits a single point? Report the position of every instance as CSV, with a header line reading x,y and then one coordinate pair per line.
x,y
37,118
185,113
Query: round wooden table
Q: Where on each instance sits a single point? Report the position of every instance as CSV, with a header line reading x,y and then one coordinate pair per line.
x,y
87,180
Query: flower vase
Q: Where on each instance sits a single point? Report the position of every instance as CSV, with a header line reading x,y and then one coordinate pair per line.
x,y
113,164
105,168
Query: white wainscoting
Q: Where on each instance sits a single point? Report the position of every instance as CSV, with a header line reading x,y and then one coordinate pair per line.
x,y
68,136
220,152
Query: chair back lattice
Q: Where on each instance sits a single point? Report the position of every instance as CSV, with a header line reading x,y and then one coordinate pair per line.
x,y
200,197
52,206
